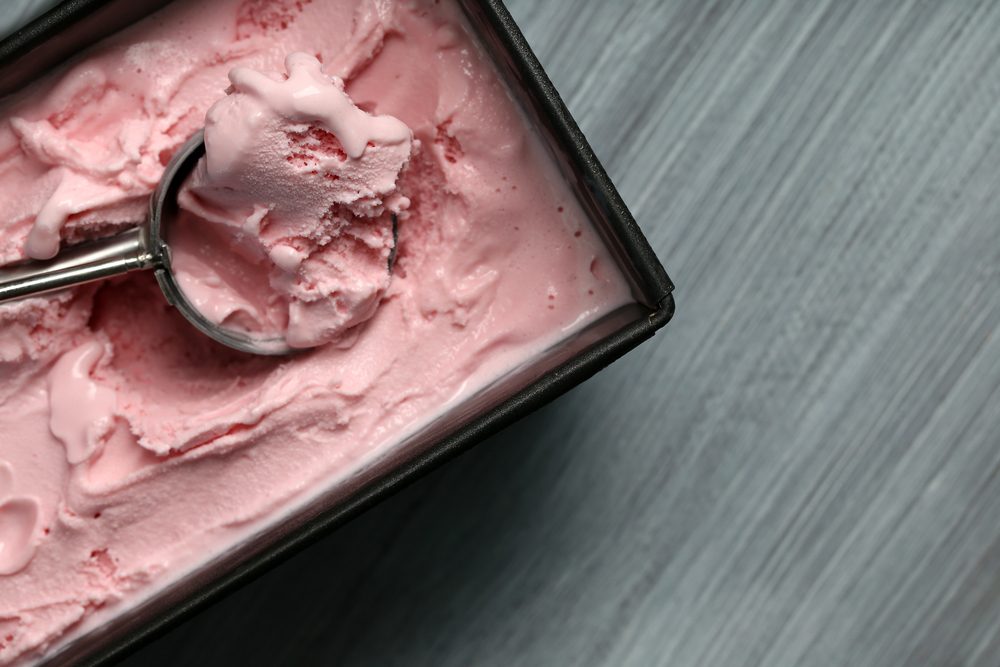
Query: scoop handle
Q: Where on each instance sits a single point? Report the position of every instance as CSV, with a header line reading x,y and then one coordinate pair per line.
x,y
84,263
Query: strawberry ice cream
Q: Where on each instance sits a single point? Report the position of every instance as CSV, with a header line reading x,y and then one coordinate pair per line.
x,y
135,450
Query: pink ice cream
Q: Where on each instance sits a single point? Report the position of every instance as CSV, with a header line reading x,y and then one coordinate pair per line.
x,y
135,449
303,187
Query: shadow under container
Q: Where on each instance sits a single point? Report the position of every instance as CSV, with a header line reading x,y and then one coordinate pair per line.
x,y
75,24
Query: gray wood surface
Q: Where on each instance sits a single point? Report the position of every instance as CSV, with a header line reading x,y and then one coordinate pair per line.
x,y
803,468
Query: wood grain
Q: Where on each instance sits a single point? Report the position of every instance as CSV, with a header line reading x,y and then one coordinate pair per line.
x,y
803,468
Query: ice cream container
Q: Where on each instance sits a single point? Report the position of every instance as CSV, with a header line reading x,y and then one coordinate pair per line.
x,y
73,25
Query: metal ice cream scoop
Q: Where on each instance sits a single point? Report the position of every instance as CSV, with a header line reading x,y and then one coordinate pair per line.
x,y
143,247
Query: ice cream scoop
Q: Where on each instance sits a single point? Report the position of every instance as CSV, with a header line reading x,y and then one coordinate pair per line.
x,y
281,237
140,248
286,225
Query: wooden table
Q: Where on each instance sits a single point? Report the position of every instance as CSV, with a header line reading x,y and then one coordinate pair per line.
x,y
802,469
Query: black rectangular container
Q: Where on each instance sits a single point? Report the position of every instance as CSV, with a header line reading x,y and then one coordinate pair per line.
x,y
75,24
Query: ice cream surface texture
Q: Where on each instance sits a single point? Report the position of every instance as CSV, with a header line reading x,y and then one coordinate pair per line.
x,y
133,448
